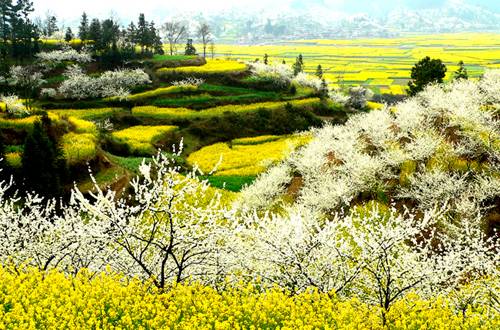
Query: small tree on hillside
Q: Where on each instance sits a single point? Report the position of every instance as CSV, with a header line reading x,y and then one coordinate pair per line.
x,y
205,37
319,72
324,90
298,66
41,161
212,49
142,34
95,33
50,25
425,72
83,32
266,59
190,50
69,35
173,32
461,73
27,80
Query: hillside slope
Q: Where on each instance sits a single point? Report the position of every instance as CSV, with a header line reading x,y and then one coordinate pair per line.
x,y
442,146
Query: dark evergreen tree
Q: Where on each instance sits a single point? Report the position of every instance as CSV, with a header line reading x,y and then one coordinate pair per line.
x,y
7,11
190,50
18,34
131,33
298,66
155,39
110,33
426,71
319,72
461,73
42,161
95,33
83,32
69,35
143,33
324,88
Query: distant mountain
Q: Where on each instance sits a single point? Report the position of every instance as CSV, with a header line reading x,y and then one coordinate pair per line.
x,y
298,19
450,18
310,22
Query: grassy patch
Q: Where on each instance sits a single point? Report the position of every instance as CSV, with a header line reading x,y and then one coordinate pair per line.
x,y
129,163
208,101
231,183
173,57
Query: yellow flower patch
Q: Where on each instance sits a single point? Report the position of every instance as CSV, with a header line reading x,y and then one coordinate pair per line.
x,y
245,159
52,300
184,113
14,159
141,139
79,148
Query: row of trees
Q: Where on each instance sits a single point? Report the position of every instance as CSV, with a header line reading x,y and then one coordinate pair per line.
x,y
107,34
18,34
144,34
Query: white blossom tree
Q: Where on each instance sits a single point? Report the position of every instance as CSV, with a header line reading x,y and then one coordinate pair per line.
x,y
168,231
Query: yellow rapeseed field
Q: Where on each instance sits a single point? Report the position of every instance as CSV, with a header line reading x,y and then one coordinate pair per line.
x,y
23,123
141,139
14,159
256,140
184,113
382,64
98,113
245,159
32,299
82,126
79,148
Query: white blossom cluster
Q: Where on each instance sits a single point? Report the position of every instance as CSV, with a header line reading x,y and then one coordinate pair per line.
x,y
378,256
48,93
173,228
14,106
358,96
307,80
110,84
67,54
280,74
442,146
25,77
190,81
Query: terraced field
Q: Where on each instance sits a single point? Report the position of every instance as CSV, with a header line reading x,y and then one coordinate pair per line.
x,y
219,113
382,64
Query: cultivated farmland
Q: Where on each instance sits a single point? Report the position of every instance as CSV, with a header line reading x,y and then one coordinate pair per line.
x,y
382,64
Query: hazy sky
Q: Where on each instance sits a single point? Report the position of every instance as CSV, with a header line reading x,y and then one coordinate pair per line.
x,y
158,9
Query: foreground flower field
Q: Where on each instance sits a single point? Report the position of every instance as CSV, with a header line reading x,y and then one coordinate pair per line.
x,y
33,299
